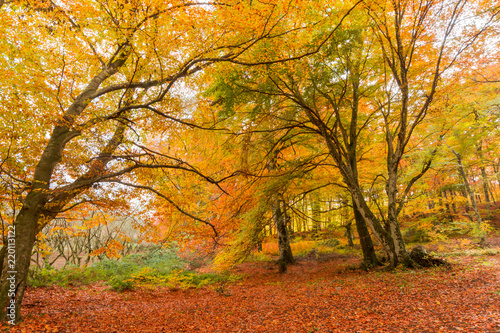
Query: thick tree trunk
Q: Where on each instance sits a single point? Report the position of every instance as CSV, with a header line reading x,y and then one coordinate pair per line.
x,y
399,244
26,225
369,255
21,239
382,235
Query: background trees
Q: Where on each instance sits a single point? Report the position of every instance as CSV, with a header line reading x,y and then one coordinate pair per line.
x,y
387,77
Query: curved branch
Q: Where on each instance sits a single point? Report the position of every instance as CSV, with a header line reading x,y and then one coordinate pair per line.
x,y
143,187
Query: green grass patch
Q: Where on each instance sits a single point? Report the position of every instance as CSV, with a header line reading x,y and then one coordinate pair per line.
x,y
157,267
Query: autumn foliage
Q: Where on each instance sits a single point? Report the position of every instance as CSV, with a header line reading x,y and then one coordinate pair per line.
x,y
234,130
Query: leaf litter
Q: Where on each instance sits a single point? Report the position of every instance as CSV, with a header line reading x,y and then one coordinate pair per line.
x,y
313,296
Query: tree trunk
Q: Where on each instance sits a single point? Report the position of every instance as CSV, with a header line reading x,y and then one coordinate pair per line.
x,y
305,226
392,216
447,205
3,251
349,235
453,205
471,197
315,212
486,191
369,256
280,217
17,261
491,195
430,201
259,245
26,225
371,221
290,223
280,221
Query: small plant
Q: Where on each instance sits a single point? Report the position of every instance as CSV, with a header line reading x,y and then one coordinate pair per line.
x,y
120,283
330,242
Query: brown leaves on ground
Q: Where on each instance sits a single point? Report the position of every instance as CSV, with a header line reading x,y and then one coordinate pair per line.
x,y
312,297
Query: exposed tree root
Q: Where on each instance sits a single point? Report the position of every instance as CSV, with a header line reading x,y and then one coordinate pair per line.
x,y
420,256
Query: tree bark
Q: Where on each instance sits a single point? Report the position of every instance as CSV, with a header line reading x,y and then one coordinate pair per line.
x,y
447,206
16,263
392,217
369,256
349,235
280,221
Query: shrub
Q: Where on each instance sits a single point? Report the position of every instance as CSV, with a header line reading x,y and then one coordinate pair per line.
x,y
109,268
179,279
330,242
67,276
121,283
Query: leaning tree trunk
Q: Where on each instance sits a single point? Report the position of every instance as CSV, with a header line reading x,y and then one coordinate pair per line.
x,y
382,234
369,255
21,239
26,225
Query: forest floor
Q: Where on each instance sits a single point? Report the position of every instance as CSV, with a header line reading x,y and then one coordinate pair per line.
x,y
324,294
